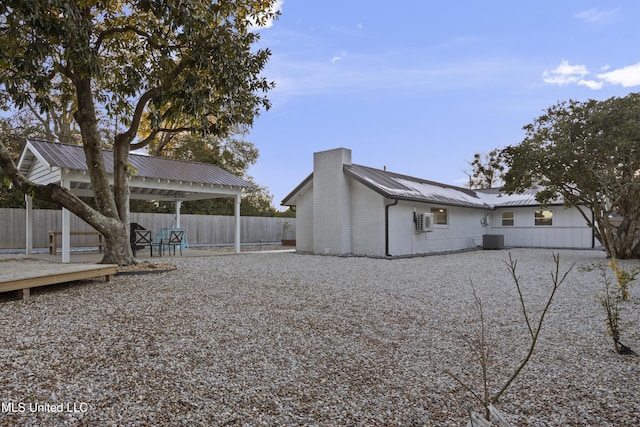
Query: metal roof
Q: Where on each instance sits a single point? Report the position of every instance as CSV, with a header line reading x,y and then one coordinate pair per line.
x,y
499,199
73,157
394,185
182,178
403,187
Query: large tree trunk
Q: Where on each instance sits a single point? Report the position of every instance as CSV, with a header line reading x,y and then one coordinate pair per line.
x,y
626,240
620,241
628,232
115,225
117,249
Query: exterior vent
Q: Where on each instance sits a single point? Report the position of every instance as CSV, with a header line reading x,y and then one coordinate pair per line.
x,y
424,222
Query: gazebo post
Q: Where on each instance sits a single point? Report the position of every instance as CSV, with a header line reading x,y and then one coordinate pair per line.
x,y
237,225
178,207
29,224
66,235
66,229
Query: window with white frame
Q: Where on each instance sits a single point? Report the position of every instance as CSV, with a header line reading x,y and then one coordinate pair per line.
x,y
440,216
508,218
543,217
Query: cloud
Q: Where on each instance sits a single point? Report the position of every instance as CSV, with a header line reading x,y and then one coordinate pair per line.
x,y
591,84
339,57
565,74
597,16
626,77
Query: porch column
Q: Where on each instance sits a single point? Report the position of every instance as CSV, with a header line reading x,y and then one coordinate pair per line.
x,y
66,230
178,207
237,216
29,225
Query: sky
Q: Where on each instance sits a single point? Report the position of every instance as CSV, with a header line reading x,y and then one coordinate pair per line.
x,y
420,86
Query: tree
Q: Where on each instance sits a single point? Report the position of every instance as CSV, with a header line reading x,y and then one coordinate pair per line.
x,y
481,345
233,154
487,170
52,125
8,198
188,66
612,297
13,131
589,154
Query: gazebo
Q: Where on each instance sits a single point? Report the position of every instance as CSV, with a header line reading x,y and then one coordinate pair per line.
x,y
155,178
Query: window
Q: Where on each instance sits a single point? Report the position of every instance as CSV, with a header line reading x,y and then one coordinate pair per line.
x,y
508,219
439,216
544,218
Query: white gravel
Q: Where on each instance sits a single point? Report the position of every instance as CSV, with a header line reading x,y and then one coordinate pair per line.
x,y
288,339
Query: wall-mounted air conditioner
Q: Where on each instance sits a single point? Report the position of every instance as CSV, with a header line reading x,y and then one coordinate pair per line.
x,y
424,222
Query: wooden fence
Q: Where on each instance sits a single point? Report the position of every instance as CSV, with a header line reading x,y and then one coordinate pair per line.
x,y
200,229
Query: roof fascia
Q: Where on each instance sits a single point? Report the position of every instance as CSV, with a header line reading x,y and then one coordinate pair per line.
x,y
296,190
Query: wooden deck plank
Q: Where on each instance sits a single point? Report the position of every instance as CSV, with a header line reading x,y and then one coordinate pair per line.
x,y
17,274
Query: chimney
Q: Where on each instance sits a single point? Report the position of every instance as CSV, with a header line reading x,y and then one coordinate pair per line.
x,y
331,202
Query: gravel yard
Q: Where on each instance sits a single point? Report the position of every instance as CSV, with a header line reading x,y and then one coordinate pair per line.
x,y
290,340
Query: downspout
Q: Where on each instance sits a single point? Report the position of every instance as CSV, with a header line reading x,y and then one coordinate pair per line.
x,y
386,227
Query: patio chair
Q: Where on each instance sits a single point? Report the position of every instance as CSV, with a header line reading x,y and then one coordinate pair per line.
x,y
175,239
141,239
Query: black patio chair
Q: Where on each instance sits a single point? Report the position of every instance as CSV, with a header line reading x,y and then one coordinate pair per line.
x,y
141,239
175,239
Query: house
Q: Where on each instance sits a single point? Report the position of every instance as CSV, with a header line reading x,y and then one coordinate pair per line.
x,y
344,208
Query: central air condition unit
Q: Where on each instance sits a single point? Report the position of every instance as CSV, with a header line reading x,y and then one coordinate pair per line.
x,y
493,241
424,222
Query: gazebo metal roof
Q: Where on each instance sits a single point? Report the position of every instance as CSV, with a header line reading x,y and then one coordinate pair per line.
x,y
155,178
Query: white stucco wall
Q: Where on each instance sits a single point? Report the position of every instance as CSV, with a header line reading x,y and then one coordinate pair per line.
x,y
463,230
568,230
304,219
367,221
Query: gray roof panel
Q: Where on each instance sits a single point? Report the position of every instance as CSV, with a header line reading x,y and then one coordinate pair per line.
x,y
396,186
404,187
73,157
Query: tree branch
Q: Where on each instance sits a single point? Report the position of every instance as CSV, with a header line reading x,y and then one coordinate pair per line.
x,y
51,192
130,134
155,133
557,281
130,29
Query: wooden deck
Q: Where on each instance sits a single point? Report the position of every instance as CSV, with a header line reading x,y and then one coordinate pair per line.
x,y
26,273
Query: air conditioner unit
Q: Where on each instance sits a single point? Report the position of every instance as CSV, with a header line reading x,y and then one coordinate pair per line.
x,y
493,241
424,222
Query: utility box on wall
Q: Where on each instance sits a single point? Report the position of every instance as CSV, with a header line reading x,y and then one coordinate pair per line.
x,y
493,241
